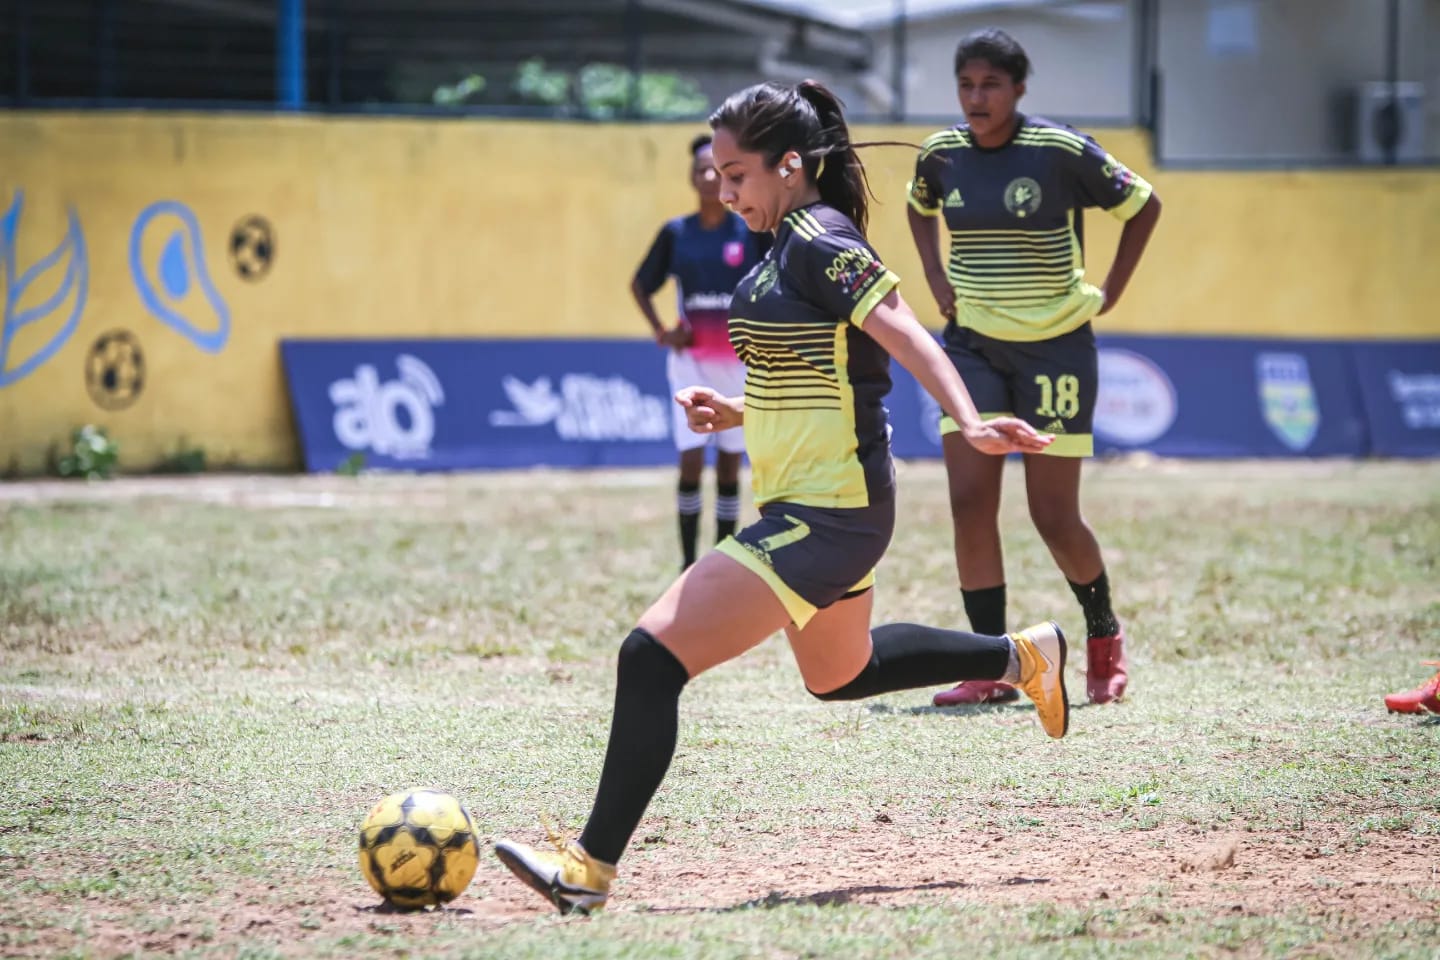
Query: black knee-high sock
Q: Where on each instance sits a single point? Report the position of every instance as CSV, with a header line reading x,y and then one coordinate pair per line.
x,y
687,504
986,609
727,509
642,742
1094,599
909,655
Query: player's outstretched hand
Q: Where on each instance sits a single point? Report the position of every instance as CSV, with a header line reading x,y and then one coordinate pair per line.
x,y
707,411
1004,435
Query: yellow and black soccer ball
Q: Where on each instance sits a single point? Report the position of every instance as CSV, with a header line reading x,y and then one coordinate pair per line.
x,y
418,848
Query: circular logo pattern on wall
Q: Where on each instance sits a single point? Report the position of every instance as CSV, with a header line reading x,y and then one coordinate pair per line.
x,y
252,247
1137,403
115,370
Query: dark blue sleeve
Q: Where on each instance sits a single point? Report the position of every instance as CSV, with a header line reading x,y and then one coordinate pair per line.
x,y
655,268
1102,181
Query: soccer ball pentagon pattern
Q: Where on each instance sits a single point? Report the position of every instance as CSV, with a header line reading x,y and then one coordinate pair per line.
x,y
418,848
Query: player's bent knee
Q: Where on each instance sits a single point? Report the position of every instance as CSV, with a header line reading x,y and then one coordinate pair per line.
x,y
646,662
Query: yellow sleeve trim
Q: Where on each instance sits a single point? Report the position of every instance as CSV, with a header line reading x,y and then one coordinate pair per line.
x,y
1131,205
923,211
879,292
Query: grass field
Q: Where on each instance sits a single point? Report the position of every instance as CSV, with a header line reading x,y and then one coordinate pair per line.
x,y
205,683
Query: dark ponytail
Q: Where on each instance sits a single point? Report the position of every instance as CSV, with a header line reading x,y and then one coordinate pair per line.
x,y
770,119
833,164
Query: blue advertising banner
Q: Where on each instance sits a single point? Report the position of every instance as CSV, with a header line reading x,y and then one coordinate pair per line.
x,y
1193,397
477,404
472,404
1185,397
1400,390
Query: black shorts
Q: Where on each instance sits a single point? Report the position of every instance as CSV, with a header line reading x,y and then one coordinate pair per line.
x,y
813,556
1050,384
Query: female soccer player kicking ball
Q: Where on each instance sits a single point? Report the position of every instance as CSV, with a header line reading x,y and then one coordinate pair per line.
x,y
816,323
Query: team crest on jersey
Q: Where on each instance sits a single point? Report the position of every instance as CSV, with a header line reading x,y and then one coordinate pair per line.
x,y
765,280
920,190
1022,197
1287,398
734,253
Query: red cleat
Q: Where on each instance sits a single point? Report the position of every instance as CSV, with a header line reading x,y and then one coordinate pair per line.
x,y
1107,673
977,691
1425,697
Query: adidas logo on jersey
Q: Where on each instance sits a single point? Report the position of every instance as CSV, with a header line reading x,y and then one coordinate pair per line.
x,y
1055,426
953,198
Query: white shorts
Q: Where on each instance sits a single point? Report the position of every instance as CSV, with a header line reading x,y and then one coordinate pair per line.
x,y
723,376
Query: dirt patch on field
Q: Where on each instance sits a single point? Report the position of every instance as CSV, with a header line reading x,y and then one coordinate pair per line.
x,y
1321,873
1254,873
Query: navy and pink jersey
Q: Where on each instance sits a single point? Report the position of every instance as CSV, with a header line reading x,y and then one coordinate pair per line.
x,y
706,265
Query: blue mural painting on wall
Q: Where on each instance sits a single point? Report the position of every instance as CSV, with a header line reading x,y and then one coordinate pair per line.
x,y
72,287
167,285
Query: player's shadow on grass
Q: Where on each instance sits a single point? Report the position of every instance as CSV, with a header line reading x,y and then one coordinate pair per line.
x,y
825,898
836,898
387,909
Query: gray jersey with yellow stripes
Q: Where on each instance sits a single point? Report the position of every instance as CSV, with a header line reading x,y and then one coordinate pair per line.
x,y
1014,216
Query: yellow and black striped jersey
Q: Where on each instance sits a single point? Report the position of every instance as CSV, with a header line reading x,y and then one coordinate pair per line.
x,y
1014,214
815,422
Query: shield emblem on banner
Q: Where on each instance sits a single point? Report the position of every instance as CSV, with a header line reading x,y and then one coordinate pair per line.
x,y
1287,398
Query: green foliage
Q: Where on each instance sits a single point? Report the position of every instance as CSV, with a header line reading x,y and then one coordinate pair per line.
x,y
92,455
602,91
457,93
185,458
536,84
605,92
352,465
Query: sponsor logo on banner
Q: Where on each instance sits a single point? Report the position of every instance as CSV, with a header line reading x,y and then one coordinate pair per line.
x,y
1418,396
586,407
1287,398
394,418
1136,402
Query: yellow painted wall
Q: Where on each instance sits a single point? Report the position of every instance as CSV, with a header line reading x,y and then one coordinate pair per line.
x,y
408,227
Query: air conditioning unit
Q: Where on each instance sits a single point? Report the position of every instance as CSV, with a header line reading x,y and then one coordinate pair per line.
x,y
1388,114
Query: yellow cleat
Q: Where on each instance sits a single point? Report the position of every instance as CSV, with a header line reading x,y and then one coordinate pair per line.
x,y
569,877
1042,674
